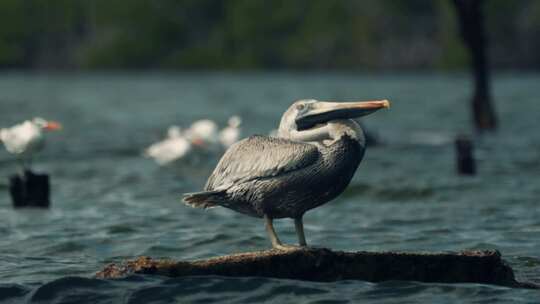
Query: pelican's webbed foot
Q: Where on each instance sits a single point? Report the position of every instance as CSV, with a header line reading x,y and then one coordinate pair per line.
x,y
287,247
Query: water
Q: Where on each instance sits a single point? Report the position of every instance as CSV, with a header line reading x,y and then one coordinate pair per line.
x,y
110,204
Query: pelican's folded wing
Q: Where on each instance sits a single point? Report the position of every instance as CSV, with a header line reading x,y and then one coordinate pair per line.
x,y
258,157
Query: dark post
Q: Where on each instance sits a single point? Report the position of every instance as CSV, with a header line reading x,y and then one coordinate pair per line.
x,y
464,156
30,190
471,21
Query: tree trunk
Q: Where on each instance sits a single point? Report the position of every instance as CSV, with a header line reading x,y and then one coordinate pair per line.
x,y
324,265
471,21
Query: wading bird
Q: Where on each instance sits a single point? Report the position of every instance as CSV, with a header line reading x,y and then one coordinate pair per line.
x,y
230,134
25,139
311,162
174,147
204,133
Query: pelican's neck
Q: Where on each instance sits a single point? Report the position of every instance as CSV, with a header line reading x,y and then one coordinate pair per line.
x,y
346,127
328,133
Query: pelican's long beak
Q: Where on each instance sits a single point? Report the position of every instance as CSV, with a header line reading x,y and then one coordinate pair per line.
x,y
324,111
53,126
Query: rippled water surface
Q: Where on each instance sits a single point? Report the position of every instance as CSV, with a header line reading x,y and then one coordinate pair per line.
x,y
109,203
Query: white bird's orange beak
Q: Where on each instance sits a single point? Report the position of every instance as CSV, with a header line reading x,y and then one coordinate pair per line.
x,y
53,126
198,142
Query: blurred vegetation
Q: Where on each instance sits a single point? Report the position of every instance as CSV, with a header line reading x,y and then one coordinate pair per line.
x,y
252,34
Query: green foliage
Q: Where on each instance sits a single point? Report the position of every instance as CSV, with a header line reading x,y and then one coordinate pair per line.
x,y
13,33
453,53
251,34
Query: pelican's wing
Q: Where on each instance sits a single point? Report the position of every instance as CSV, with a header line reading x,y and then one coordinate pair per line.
x,y
260,157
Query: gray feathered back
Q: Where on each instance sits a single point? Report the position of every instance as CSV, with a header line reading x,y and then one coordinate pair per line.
x,y
260,157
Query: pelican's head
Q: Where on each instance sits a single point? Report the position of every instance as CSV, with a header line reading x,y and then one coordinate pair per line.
x,y
48,125
308,119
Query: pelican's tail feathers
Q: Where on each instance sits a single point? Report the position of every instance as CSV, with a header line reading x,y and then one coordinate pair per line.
x,y
203,199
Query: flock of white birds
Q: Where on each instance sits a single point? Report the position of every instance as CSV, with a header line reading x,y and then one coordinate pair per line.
x,y
203,136
25,139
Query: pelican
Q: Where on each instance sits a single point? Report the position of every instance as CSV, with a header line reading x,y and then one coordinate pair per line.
x,y
230,134
310,162
175,146
26,139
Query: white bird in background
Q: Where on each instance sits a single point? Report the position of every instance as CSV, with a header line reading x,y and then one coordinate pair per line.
x,y
204,134
172,148
25,139
202,137
230,134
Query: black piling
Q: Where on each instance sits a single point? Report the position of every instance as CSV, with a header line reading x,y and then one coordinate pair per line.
x,y
30,190
465,156
471,20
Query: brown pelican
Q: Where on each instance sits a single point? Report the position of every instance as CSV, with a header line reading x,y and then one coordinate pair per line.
x,y
310,162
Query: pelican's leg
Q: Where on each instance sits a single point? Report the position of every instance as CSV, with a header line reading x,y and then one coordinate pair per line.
x,y
276,243
299,225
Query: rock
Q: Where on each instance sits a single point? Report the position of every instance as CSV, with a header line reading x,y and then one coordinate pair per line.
x,y
324,265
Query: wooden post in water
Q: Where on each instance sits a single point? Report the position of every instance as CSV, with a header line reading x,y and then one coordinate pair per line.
x,y
29,190
465,162
471,21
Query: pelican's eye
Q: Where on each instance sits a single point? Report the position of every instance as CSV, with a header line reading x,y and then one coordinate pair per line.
x,y
301,107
